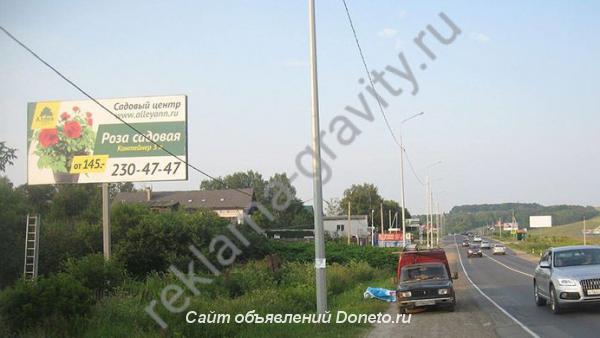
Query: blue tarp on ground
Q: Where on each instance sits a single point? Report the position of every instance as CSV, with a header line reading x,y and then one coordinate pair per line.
x,y
381,294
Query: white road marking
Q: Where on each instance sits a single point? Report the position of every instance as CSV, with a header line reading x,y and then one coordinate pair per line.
x,y
508,267
525,328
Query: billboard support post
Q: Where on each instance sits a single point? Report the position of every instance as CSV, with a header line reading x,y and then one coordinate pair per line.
x,y
105,222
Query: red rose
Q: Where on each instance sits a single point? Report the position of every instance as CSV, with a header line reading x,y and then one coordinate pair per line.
x,y
48,137
65,116
72,129
75,108
88,114
89,121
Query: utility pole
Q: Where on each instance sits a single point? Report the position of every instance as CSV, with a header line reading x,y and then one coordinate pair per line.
x,y
431,212
389,220
402,197
349,224
372,227
439,221
381,214
320,262
427,212
584,233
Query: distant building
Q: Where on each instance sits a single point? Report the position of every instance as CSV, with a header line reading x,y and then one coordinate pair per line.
x,y
230,204
337,226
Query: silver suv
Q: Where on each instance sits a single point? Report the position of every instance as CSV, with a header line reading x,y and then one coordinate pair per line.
x,y
568,275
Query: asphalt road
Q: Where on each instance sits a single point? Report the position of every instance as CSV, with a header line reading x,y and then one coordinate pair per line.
x,y
507,280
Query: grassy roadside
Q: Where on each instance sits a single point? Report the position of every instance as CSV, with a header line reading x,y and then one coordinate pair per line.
x,y
247,287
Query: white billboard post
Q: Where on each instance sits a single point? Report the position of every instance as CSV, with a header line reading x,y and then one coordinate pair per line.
x,y
540,221
81,142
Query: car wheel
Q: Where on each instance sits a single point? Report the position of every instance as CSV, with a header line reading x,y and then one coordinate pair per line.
x,y
452,306
554,305
401,310
539,300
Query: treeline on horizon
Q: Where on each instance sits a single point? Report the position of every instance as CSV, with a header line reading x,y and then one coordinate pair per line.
x,y
465,217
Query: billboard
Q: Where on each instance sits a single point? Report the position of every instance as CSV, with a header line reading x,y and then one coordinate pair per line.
x,y
80,142
540,221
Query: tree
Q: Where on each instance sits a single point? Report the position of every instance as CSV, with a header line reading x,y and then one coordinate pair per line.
x,y
238,180
364,198
7,156
277,194
115,188
333,207
13,213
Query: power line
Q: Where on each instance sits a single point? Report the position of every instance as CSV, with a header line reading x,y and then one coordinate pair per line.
x,y
381,110
412,168
364,62
115,115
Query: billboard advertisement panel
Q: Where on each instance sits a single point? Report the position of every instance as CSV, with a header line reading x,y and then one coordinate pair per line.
x,y
540,221
80,142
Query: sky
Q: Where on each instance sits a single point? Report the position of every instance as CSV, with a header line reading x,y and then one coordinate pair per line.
x,y
510,106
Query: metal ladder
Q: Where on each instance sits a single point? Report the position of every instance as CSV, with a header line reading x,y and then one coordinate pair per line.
x,y
32,235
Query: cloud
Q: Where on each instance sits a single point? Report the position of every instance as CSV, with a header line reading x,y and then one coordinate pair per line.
x,y
480,37
402,14
387,33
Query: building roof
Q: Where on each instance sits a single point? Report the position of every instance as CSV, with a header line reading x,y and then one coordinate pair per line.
x,y
342,218
195,199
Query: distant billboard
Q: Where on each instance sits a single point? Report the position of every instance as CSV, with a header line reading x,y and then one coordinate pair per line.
x,y
540,221
80,142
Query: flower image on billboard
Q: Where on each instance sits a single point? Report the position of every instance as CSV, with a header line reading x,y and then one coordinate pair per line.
x,y
80,142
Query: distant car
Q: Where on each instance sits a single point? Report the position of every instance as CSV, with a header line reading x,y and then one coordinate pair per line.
x,y
499,250
486,245
477,238
474,251
465,243
568,276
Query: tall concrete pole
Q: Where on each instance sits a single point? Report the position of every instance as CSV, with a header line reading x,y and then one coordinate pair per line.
x,y
105,222
402,198
320,262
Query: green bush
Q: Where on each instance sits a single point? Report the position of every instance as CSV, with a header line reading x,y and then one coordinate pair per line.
x,y
247,277
95,273
160,240
28,303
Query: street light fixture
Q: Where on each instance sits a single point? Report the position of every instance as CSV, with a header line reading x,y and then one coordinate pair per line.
x,y
402,178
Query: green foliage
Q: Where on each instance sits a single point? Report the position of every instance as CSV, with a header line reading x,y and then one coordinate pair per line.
x,y
7,156
76,202
380,258
95,273
13,209
159,240
27,303
277,194
59,242
243,279
364,198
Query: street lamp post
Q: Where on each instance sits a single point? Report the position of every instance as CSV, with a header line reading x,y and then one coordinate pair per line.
x,y
402,197
428,199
